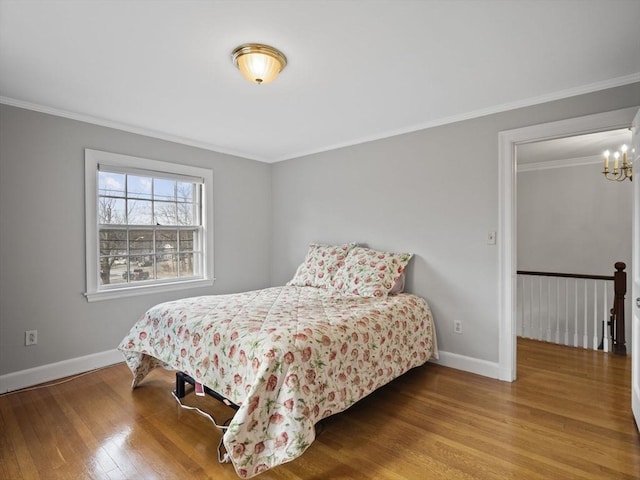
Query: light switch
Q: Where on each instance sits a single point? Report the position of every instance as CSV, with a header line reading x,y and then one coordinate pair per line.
x,y
491,238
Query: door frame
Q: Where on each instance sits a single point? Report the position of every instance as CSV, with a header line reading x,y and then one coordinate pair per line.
x,y
507,209
635,277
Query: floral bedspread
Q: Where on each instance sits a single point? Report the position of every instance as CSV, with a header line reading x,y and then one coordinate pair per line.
x,y
288,356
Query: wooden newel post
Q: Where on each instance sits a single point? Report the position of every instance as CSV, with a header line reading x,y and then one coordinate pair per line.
x,y
620,290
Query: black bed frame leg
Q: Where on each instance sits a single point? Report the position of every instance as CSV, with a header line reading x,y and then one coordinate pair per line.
x,y
182,379
180,382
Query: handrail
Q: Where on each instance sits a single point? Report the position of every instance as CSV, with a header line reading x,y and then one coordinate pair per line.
x,y
566,275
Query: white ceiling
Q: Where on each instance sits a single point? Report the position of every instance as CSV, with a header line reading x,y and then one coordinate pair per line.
x,y
358,70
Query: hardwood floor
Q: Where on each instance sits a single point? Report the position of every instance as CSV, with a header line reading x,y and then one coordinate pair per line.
x,y
567,416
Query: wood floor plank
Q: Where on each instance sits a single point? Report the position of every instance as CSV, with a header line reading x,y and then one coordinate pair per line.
x,y
567,416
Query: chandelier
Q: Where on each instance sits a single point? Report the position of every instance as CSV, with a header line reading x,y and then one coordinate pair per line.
x,y
620,172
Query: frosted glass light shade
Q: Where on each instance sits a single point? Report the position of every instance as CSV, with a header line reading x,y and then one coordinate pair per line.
x,y
258,63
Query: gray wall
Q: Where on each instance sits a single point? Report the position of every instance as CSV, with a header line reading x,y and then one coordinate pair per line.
x,y
434,193
573,220
42,235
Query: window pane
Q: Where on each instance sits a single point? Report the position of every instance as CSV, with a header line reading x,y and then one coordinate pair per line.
x,y
186,213
111,184
138,274
186,240
186,264
113,242
141,247
164,190
167,266
140,212
166,242
185,191
111,211
113,270
165,213
139,187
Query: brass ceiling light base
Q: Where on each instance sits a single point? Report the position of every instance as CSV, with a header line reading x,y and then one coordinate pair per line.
x,y
258,63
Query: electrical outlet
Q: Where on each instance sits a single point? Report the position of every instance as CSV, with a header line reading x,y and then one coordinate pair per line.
x,y
457,327
31,337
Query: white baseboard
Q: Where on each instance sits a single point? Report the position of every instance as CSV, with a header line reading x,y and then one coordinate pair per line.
x,y
468,364
54,371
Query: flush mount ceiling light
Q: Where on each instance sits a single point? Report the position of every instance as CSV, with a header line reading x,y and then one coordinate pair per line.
x,y
258,63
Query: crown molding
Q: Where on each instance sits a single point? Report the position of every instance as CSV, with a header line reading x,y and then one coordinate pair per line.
x,y
568,162
147,132
571,92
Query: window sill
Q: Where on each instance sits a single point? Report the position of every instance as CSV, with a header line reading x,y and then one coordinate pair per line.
x,y
146,290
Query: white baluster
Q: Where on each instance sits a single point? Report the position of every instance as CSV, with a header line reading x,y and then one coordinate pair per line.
x,y
566,311
595,315
605,327
585,335
525,329
540,322
548,336
575,316
520,303
522,298
557,310
530,323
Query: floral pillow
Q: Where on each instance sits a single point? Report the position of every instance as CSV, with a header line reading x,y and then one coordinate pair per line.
x,y
320,265
370,273
398,286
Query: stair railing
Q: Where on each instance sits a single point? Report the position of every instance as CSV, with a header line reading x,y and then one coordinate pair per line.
x,y
555,307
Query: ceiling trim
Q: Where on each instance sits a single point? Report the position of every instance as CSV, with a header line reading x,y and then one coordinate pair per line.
x,y
565,162
147,132
571,92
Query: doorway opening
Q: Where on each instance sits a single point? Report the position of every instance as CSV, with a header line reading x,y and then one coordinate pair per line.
x,y
573,237
509,141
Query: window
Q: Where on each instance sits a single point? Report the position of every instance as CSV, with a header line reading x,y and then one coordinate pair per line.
x,y
148,225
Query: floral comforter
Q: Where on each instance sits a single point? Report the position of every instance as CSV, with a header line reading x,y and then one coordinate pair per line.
x,y
288,356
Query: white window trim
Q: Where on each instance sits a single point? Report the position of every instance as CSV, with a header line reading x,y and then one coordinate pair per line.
x,y
92,158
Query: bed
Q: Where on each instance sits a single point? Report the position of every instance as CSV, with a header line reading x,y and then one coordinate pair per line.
x,y
287,357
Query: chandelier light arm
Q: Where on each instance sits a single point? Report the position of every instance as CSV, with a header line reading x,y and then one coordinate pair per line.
x,y
618,178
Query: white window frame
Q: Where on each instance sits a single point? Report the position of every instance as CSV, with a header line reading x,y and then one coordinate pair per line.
x,y
93,158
